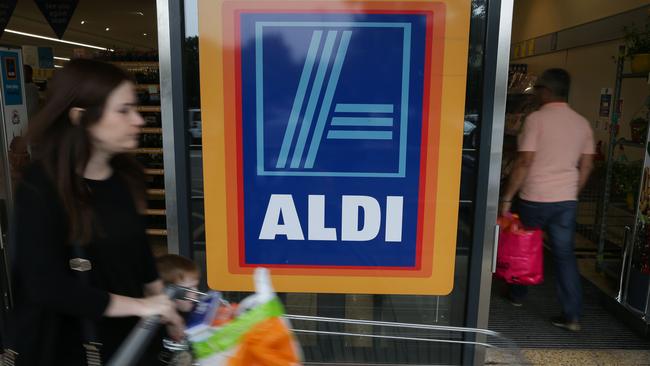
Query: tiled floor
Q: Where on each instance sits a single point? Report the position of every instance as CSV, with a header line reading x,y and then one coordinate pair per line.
x,y
564,357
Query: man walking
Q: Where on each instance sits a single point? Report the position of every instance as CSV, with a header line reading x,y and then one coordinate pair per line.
x,y
555,157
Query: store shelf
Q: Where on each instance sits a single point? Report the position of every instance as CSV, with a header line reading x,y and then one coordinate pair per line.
x,y
136,64
148,108
154,171
148,150
151,130
630,143
637,75
150,84
157,232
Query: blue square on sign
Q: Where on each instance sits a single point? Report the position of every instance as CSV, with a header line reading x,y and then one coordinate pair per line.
x,y
331,107
343,108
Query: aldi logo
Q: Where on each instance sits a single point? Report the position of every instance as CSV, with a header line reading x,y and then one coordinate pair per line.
x,y
331,144
334,106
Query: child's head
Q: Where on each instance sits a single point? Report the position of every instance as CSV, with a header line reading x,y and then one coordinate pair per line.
x,y
177,270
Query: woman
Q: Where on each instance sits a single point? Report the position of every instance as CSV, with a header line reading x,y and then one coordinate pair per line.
x,y
83,193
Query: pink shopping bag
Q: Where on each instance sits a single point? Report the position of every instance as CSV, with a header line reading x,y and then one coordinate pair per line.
x,y
520,256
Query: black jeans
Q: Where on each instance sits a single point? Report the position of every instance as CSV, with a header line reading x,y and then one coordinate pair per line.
x,y
558,221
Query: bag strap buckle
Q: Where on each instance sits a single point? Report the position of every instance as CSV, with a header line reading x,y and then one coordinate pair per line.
x,y
80,264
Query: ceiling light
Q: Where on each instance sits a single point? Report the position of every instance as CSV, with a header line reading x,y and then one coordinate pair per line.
x,y
83,22
144,34
58,40
107,29
58,66
61,58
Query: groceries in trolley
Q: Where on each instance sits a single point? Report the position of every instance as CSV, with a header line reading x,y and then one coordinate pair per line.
x,y
253,333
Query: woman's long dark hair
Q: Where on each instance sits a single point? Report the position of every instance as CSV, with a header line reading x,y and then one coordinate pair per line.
x,y
64,148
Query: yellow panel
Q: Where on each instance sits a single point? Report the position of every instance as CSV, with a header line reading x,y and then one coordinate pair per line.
x,y
442,185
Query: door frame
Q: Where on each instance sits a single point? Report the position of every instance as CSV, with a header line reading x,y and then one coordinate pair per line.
x,y
483,252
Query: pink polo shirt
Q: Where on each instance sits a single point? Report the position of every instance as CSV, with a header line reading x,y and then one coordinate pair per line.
x,y
559,137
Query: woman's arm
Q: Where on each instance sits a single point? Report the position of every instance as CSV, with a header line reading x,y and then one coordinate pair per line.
x,y
120,306
154,288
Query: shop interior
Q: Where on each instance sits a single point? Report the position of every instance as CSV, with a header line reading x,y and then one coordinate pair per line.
x,y
122,32
610,87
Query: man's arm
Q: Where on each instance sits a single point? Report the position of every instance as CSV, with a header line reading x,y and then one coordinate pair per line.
x,y
516,180
585,166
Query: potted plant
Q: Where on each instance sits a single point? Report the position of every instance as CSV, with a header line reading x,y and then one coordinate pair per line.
x,y
637,44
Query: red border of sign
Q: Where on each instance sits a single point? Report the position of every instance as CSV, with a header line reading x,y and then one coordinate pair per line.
x,y
434,33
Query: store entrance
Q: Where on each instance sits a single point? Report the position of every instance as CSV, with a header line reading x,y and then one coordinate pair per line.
x,y
44,39
611,243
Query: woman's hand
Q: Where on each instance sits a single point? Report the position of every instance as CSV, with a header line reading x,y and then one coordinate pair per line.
x,y
162,305
120,306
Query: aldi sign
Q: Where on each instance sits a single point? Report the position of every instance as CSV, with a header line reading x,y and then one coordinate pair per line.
x,y
331,149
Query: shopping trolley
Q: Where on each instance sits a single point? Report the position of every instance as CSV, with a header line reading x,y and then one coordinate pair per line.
x,y
333,335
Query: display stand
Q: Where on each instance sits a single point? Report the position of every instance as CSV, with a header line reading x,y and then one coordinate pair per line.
x,y
634,274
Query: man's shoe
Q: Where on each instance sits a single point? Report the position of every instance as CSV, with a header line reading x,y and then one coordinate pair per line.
x,y
513,301
561,322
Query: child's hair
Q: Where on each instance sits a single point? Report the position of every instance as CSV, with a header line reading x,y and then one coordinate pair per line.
x,y
172,268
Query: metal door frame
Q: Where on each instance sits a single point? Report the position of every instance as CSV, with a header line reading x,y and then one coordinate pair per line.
x,y
175,142
495,82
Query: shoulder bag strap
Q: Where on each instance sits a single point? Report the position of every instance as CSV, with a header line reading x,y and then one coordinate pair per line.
x,y
81,265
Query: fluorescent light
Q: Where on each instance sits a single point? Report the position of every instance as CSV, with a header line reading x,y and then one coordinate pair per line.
x,y
61,58
58,40
58,66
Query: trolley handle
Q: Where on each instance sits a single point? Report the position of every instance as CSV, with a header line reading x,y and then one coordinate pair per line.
x,y
134,345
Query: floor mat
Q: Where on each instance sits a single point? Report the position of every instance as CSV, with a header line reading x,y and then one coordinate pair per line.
x,y
529,326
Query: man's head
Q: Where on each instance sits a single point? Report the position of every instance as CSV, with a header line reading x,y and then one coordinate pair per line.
x,y
29,73
553,86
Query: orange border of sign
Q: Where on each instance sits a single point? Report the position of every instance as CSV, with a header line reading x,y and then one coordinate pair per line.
x,y
219,93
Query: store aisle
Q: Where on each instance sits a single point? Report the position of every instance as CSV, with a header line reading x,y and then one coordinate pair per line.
x,y
529,325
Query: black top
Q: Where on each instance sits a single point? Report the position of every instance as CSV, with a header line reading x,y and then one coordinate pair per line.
x,y
51,300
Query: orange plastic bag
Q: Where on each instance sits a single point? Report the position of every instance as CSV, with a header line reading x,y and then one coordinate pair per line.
x,y
255,335
268,344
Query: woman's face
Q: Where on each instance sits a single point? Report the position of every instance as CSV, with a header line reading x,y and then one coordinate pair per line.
x,y
118,129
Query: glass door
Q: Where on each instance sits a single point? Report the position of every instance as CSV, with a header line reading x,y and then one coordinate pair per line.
x,y
465,305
